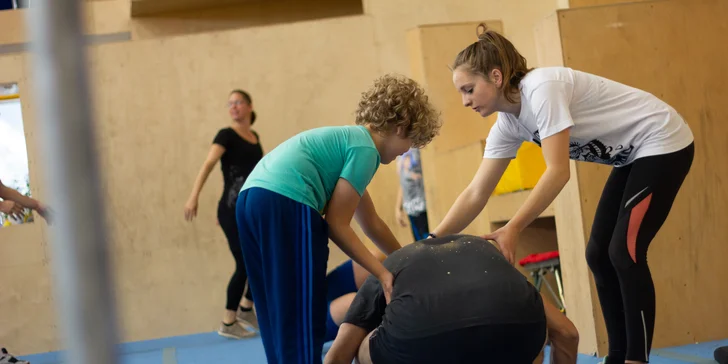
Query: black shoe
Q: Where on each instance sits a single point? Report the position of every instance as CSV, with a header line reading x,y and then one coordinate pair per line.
x,y
721,355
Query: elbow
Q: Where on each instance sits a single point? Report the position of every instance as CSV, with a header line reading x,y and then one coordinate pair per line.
x,y
560,173
336,224
371,227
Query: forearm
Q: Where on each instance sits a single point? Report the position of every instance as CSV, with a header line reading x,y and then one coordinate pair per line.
x,y
346,345
344,237
201,179
400,198
544,193
465,209
7,193
382,236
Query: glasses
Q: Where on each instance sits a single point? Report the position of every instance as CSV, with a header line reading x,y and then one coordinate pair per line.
x,y
235,103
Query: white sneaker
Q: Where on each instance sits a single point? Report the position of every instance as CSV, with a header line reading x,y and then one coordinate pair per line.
x,y
248,319
6,358
234,331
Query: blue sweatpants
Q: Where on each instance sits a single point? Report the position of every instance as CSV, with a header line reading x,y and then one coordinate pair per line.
x,y
339,282
285,247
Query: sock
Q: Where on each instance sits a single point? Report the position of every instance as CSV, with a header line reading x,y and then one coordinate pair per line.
x,y
228,325
245,309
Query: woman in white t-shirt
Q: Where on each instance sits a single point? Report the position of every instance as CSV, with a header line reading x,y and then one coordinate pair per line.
x,y
579,116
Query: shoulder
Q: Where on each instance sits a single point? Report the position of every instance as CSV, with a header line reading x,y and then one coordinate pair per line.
x,y
223,135
546,75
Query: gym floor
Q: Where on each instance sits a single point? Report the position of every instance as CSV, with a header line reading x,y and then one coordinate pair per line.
x,y
212,348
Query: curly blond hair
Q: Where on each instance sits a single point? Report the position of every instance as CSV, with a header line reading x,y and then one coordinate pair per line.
x,y
395,101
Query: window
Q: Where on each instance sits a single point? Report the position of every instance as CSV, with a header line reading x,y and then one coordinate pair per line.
x,y
14,172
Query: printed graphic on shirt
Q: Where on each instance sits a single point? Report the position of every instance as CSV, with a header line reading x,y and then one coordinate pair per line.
x,y
595,151
410,173
237,180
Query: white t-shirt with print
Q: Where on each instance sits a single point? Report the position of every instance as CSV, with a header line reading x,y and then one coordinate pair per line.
x,y
611,123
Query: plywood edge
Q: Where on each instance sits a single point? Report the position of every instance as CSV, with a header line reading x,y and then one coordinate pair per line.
x,y
141,8
549,51
494,24
502,208
581,303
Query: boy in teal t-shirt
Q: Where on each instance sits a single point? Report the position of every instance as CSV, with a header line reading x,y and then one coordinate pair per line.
x,y
305,192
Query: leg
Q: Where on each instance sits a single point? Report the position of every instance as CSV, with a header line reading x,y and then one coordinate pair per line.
x,y
254,263
363,357
340,306
420,227
236,285
293,243
653,184
597,257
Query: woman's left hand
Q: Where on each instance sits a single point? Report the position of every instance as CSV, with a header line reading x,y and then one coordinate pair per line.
x,y
507,239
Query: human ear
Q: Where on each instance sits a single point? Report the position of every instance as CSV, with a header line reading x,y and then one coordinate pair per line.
x,y
496,77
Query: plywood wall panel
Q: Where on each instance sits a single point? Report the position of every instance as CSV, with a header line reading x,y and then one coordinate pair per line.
x,y
393,18
655,46
158,101
586,3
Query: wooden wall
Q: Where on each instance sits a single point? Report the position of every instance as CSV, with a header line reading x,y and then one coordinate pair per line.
x,y
671,49
158,101
585,3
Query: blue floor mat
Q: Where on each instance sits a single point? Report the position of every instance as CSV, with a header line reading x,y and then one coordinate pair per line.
x,y
212,348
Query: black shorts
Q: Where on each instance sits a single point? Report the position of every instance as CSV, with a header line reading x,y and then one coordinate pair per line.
x,y
501,343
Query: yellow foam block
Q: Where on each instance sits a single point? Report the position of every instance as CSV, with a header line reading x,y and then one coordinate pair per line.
x,y
523,172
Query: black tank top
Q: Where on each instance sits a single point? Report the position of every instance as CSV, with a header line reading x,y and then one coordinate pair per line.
x,y
237,163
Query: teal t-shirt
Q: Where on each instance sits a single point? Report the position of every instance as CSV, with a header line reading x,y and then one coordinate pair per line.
x,y
306,167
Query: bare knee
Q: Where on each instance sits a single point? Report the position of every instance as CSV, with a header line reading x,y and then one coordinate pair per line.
x,y
340,306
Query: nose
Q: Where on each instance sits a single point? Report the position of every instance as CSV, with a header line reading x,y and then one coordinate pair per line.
x,y
466,101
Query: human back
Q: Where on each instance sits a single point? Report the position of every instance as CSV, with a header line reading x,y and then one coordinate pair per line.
x,y
611,123
457,281
316,159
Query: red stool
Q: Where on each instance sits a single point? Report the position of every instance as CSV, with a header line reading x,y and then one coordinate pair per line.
x,y
539,265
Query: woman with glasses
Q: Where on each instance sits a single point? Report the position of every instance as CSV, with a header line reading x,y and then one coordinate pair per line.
x,y
238,149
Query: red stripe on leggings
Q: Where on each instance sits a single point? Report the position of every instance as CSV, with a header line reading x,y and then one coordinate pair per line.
x,y
635,220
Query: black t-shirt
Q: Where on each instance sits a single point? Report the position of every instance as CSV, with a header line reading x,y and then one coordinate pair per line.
x,y
237,162
445,284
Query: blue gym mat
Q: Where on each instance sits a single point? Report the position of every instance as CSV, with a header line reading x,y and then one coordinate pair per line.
x,y
212,348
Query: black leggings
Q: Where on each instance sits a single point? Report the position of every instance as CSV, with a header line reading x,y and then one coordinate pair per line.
x,y
236,286
636,200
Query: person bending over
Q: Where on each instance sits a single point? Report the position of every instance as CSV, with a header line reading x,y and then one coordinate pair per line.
x,y
456,300
306,192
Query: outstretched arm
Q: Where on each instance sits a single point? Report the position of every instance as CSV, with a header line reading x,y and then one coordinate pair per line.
x,y
344,202
374,227
9,194
213,156
556,154
473,199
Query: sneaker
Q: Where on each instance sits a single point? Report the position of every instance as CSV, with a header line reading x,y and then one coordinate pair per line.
x,y
248,319
6,358
234,331
721,355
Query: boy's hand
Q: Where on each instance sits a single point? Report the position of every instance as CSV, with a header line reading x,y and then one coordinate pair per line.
x,y
12,208
386,279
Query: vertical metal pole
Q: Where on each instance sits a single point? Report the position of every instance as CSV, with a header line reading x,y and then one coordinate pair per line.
x,y
63,102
